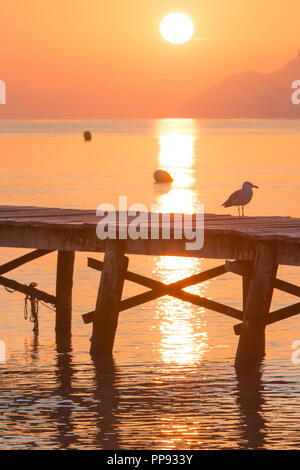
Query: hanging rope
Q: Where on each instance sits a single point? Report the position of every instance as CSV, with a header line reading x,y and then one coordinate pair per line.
x,y
31,304
34,308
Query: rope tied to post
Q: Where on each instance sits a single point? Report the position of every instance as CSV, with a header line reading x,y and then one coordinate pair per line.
x,y
31,303
34,307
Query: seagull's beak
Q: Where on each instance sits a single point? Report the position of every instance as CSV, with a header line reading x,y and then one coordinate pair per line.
x,y
253,186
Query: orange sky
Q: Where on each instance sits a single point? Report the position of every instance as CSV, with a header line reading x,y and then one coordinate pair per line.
x,y
106,58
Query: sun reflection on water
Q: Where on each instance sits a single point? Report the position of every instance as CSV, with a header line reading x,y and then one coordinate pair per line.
x,y
183,338
183,335
177,155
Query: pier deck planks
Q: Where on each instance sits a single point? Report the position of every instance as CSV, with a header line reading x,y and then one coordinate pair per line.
x,y
225,236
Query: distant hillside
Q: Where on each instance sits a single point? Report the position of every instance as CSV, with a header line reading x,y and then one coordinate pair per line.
x,y
250,95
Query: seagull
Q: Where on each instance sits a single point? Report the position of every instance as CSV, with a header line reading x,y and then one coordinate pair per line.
x,y
241,197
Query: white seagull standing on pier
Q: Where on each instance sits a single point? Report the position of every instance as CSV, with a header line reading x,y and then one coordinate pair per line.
x,y
241,197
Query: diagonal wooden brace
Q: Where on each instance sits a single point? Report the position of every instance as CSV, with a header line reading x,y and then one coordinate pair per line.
x,y
16,263
23,288
275,316
243,268
159,289
28,290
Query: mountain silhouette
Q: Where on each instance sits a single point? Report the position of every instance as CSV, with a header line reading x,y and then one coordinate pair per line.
x,y
250,95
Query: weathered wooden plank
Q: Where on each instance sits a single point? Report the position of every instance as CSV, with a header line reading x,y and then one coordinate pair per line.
x,y
64,287
10,265
81,238
160,289
275,316
210,223
160,286
251,347
26,289
245,287
108,300
77,232
207,303
213,221
243,268
287,287
185,296
283,313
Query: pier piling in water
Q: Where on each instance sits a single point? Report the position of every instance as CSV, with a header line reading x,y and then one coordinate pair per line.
x,y
109,297
258,296
64,287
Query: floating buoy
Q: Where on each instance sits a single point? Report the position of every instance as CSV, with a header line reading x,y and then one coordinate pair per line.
x,y
87,136
162,176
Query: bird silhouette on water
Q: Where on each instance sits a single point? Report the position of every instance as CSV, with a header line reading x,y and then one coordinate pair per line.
x,y
241,197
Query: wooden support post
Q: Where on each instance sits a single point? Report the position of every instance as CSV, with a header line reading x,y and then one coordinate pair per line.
x,y
246,282
243,268
64,285
109,297
251,347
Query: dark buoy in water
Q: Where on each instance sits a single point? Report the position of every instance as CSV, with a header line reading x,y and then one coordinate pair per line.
x,y
87,136
162,176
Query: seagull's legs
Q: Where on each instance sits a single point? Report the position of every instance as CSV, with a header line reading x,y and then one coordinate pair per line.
x,y
239,211
243,211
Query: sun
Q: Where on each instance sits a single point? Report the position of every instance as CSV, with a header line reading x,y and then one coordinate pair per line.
x,y
177,28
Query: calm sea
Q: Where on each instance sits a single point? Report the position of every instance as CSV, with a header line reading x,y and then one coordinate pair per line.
x,y
171,383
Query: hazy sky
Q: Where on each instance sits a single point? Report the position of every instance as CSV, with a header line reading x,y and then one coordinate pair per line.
x,y
106,58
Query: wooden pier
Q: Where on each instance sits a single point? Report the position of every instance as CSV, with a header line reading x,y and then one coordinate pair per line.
x,y
252,247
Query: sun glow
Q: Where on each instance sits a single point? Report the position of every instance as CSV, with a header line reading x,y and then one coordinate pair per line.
x,y
177,28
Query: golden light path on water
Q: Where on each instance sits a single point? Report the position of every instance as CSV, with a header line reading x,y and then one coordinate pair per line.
x,y
177,155
182,328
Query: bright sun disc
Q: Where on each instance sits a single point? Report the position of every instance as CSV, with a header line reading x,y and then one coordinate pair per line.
x,y
177,28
